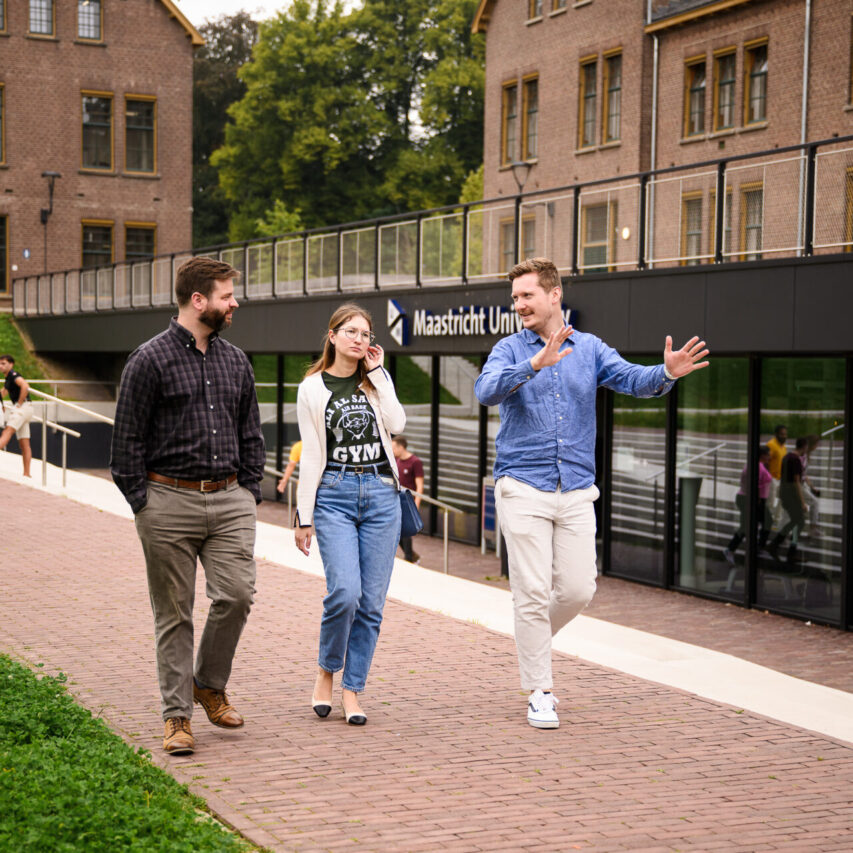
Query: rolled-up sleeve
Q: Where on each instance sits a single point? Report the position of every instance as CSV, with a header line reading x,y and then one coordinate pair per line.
x,y
501,375
134,408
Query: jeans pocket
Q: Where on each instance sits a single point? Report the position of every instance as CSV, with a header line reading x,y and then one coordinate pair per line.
x,y
329,480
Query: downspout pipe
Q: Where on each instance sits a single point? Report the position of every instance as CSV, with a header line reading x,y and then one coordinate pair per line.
x,y
650,207
804,116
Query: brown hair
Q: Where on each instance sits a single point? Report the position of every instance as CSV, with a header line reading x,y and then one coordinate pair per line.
x,y
198,275
402,441
327,359
549,278
8,358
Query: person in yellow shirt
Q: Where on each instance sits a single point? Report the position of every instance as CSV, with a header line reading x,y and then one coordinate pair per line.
x,y
292,462
777,449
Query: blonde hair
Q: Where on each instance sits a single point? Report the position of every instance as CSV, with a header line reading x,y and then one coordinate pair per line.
x,y
549,277
327,359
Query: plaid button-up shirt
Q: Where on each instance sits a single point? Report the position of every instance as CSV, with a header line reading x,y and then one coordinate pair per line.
x,y
186,414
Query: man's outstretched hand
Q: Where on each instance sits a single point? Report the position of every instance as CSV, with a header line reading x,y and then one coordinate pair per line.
x,y
685,360
550,353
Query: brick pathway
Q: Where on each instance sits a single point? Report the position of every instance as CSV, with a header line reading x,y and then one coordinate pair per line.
x,y
447,760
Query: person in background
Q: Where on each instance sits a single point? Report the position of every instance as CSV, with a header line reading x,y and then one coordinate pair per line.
x,y
544,379
292,461
349,494
776,446
810,492
411,472
18,416
741,498
793,501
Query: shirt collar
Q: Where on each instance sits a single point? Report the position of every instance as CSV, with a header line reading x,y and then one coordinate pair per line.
x,y
531,337
185,336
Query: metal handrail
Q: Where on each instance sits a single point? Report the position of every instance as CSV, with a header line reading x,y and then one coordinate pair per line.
x,y
687,461
445,508
96,415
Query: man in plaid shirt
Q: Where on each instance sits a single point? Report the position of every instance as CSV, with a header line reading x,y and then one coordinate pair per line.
x,y
188,455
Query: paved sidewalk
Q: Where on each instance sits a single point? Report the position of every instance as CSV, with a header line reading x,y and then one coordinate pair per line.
x,y
446,760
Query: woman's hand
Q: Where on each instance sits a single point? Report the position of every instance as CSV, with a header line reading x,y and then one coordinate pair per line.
x,y
302,536
374,357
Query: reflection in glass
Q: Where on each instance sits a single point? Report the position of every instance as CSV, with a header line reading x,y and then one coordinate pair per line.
x,y
637,491
800,570
712,487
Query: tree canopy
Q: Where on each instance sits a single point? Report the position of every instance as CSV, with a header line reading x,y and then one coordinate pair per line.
x,y
349,115
228,42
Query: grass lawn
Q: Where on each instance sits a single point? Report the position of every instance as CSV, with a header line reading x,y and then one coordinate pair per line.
x,y
11,343
67,783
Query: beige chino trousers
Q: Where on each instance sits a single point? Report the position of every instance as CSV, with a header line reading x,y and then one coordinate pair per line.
x,y
550,541
177,527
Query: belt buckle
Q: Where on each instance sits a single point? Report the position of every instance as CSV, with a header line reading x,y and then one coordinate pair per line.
x,y
203,484
358,469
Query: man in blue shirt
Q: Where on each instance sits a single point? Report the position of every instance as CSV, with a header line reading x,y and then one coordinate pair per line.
x,y
544,378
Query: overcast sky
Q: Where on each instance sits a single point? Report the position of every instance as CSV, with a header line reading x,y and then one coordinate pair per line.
x,y
198,11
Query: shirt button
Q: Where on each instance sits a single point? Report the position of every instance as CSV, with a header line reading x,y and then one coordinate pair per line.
x,y
214,432
216,457
211,407
558,395
208,382
561,417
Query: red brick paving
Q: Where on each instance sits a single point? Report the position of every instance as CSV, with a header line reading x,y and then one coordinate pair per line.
x,y
447,760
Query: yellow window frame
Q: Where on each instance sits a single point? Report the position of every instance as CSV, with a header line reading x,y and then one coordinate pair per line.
x,y
98,40
690,63
94,93
525,103
605,98
148,226
150,99
609,241
52,34
97,223
583,64
748,62
507,157
718,56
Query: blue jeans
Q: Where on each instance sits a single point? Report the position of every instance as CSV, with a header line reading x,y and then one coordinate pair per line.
x,y
357,520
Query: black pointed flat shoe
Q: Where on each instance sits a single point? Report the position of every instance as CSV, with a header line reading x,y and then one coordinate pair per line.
x,y
321,709
354,719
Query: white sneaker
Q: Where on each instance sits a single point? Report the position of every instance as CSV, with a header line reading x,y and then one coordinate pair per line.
x,y
541,713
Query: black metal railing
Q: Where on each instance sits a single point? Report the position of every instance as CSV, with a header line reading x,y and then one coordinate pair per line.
x,y
786,202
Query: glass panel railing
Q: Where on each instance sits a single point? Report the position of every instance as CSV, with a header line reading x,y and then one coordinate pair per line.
x,y
833,200
322,263
58,293
608,231
358,259
764,210
87,290
72,290
141,283
681,219
259,270
441,248
398,254
161,281
289,267
122,286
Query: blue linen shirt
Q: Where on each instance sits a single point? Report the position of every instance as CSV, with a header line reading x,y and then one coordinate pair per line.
x,y
547,432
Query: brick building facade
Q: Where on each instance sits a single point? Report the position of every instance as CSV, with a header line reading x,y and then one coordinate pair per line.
x,y
100,92
591,89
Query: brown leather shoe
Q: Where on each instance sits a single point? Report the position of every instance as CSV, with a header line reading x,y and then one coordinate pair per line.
x,y
219,710
178,739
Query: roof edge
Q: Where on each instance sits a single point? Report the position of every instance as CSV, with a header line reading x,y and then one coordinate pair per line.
x,y
194,35
481,18
693,14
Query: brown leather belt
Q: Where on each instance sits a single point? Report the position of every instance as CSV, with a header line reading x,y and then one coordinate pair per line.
x,y
195,485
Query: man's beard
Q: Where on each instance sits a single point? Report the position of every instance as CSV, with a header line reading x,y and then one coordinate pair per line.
x,y
214,320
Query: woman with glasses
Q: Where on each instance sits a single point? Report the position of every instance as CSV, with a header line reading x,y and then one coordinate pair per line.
x,y
348,493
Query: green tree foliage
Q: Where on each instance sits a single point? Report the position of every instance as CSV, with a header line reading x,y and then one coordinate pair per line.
x,y
228,42
353,115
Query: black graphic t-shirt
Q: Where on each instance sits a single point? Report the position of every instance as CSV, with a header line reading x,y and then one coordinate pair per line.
x,y
12,386
352,434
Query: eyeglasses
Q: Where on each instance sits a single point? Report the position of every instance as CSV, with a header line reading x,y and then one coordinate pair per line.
x,y
353,334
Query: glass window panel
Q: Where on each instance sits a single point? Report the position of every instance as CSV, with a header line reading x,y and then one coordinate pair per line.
x,y
725,91
89,19
510,107
692,224
41,17
696,99
637,494
800,570
97,132
531,110
139,243
139,127
753,201
588,92
614,99
757,95
712,489
97,245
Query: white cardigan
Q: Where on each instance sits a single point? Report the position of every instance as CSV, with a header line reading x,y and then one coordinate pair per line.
x,y
312,398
